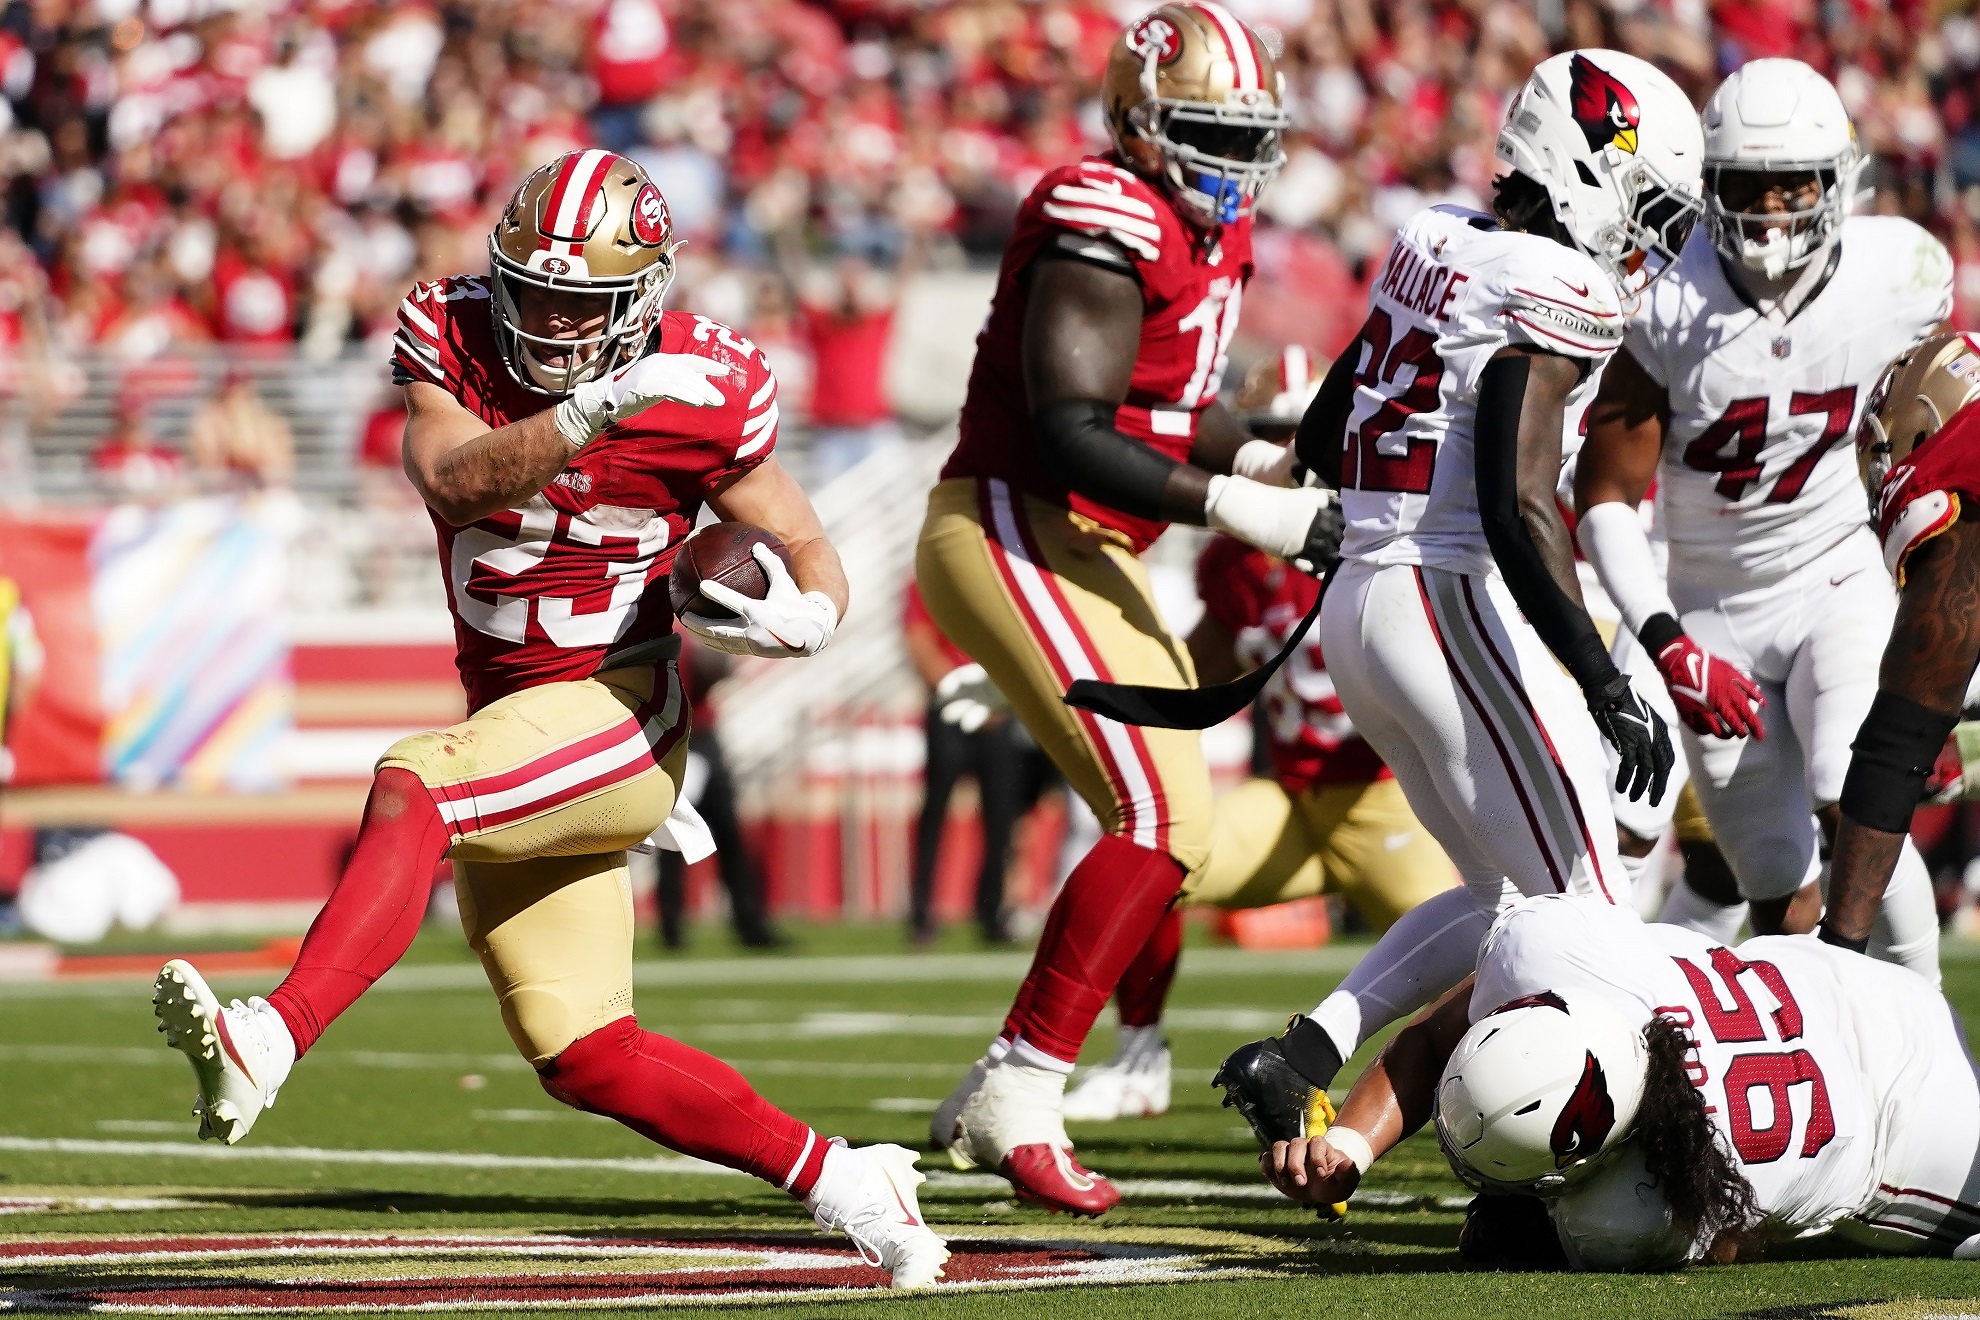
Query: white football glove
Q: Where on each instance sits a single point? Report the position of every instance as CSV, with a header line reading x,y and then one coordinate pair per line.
x,y
596,404
784,623
1301,525
968,699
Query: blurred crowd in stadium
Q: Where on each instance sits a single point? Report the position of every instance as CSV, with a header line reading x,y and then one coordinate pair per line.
x,y
267,174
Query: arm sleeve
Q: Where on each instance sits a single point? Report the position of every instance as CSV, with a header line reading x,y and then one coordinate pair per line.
x,y
1080,449
1612,538
1563,625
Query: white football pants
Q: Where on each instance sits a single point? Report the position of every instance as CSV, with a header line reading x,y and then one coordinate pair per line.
x,y
1493,747
1813,641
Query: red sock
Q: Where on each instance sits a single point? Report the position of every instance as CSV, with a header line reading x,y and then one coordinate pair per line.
x,y
1112,901
374,911
1144,986
687,1101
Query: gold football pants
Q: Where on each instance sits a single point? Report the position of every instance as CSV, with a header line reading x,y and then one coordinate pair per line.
x,y
1356,840
544,791
1039,596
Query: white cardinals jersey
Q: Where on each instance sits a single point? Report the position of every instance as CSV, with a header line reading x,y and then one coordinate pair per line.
x,y
1805,1054
1455,289
1759,471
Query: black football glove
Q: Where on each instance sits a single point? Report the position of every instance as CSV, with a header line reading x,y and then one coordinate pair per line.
x,y
1323,541
1642,743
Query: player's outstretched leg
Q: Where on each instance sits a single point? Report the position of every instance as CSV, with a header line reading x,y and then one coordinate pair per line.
x,y
242,1054
694,1103
1135,1082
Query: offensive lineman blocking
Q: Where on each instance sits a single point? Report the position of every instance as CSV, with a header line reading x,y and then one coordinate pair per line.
x,y
565,431
1091,422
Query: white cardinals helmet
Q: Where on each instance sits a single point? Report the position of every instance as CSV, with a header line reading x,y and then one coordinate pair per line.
x,y
1777,122
1617,147
1538,1091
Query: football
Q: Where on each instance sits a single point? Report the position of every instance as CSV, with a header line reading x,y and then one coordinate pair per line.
x,y
720,552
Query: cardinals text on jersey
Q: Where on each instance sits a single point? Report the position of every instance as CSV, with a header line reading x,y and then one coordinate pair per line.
x,y
1929,490
1260,600
1757,476
574,580
1191,287
1456,289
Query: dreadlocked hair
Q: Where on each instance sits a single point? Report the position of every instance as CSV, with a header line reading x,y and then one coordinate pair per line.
x,y
1523,204
1701,1182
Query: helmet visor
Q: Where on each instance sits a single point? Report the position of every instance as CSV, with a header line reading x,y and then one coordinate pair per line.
x,y
1219,157
558,332
1656,230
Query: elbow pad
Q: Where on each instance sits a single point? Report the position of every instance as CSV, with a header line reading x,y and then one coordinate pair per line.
x,y
1080,449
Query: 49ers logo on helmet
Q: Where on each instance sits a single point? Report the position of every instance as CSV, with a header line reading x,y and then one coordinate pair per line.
x,y
1586,1119
1605,109
1157,36
649,217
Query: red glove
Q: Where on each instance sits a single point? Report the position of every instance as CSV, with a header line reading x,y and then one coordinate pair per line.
x,y
1713,698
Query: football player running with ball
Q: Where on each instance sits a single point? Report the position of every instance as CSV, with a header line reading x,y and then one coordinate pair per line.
x,y
565,431
1454,630
1329,820
1920,453
1632,1096
1740,382
1092,422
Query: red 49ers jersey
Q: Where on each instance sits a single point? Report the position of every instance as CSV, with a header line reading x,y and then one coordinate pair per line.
x,y
1191,286
574,579
1260,601
1922,496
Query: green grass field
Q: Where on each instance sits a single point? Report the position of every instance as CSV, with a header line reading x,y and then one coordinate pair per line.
x,y
849,1034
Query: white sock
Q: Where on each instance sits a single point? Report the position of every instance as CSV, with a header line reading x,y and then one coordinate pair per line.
x,y
1690,909
1649,882
281,1045
1139,1047
998,1049
838,1179
1025,1054
1431,949
1907,928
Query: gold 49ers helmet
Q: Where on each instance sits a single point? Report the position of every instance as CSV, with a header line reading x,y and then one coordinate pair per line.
x,y
1918,395
1194,100
1277,390
592,224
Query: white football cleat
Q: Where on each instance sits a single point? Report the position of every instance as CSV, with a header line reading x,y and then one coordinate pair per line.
x,y
240,1055
1131,1086
868,1194
1014,1124
942,1126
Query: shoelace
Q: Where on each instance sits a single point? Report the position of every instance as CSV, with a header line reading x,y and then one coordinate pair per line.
x,y
854,1228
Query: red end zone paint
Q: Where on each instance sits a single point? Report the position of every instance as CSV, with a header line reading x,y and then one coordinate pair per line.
x,y
254,1274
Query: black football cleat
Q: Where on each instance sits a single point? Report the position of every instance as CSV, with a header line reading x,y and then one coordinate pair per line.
x,y
1280,1101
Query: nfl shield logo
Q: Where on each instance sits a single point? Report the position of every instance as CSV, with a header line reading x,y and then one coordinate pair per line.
x,y
1783,346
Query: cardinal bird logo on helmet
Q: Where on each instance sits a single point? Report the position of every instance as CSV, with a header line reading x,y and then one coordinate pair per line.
x,y
1604,108
1586,1119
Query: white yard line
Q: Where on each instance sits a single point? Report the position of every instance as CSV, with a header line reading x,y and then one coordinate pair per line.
x,y
1169,1189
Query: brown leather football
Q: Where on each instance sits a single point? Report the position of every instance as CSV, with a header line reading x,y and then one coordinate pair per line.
x,y
720,552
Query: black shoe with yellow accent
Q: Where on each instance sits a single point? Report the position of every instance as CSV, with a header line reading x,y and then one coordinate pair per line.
x,y
1273,1083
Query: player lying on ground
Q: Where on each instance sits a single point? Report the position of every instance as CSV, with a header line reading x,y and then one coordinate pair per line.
x,y
1092,422
1748,365
565,432
1455,632
1330,819
1920,451
1672,1100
